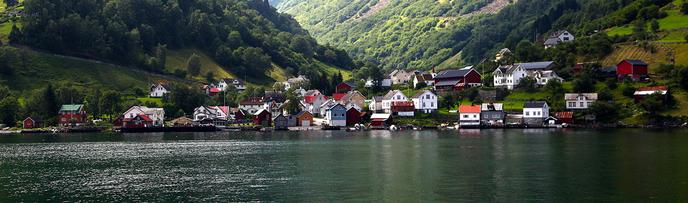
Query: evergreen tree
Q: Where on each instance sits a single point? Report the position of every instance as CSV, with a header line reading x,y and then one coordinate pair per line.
x,y
684,8
193,65
654,25
16,34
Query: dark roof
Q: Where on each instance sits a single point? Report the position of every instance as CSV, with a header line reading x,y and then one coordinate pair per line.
x,y
636,62
534,104
610,69
453,73
421,94
351,84
553,41
447,83
537,65
278,97
378,98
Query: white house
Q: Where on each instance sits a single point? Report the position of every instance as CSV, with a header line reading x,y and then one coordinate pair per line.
x,y
386,83
425,102
558,37
252,105
158,90
155,114
543,77
300,81
535,112
237,83
580,101
469,116
401,77
390,97
376,104
312,102
508,76
426,78
215,114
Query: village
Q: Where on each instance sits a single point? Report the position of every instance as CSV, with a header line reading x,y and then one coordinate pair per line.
x,y
349,109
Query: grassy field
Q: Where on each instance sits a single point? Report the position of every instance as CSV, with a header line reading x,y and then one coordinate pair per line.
x,y
145,100
660,56
176,59
5,29
42,69
674,20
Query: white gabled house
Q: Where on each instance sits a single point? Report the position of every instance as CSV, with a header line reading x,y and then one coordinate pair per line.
x,y
425,102
535,112
509,76
391,97
558,37
217,115
401,76
237,83
157,91
580,101
157,115
376,104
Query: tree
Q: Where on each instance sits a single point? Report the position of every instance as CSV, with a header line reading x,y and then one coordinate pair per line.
x,y
654,25
528,83
9,107
653,103
255,60
293,105
583,84
161,56
554,87
94,103
193,65
111,103
210,77
604,112
684,8
628,91
639,32
16,34
278,86
686,38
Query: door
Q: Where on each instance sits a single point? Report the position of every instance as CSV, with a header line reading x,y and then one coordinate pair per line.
x,y
306,123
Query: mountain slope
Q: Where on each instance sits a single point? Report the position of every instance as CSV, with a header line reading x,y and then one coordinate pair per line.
x,y
240,37
394,33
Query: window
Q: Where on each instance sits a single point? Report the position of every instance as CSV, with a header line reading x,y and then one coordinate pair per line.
x,y
572,104
465,116
582,104
527,113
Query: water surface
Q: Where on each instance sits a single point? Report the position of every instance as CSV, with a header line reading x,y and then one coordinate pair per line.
x,y
487,165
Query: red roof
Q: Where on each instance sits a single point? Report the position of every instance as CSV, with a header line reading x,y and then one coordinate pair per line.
x,y
309,99
142,116
402,104
225,109
214,90
655,88
560,115
469,109
338,96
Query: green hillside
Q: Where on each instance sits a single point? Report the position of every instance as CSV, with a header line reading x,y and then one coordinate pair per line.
x,y
32,70
395,34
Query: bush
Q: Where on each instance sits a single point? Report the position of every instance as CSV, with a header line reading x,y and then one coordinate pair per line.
x,y
612,83
628,91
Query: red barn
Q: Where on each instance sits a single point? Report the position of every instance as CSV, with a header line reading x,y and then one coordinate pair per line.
x,y
138,121
263,118
345,87
457,80
643,92
380,120
634,69
30,123
73,114
353,117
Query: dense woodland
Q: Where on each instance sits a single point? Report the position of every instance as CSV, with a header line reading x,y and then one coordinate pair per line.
x,y
246,35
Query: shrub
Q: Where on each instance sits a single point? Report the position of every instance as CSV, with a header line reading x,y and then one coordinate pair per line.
x,y
628,91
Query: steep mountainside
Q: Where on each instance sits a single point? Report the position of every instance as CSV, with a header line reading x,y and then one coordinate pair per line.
x,y
394,33
246,38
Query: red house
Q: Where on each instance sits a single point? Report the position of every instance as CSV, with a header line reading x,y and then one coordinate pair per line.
x,y
380,120
263,118
457,80
345,87
564,117
73,114
30,123
353,117
634,69
138,121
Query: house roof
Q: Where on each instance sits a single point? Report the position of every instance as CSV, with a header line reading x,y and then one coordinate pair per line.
x,y
402,104
644,91
561,115
302,113
558,33
536,65
338,96
574,96
182,120
350,95
335,106
636,62
381,116
145,117
535,104
492,107
351,84
552,41
421,94
71,108
378,98
274,96
252,101
453,73
391,94
469,109
214,90
507,69
447,83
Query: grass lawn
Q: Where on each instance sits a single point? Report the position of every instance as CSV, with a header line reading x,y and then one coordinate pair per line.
x,y
5,29
157,101
674,20
330,70
620,31
674,36
516,99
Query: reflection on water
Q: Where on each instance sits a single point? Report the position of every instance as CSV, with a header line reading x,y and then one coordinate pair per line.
x,y
549,165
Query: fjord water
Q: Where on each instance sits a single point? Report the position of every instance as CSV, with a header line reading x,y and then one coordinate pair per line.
x,y
317,166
